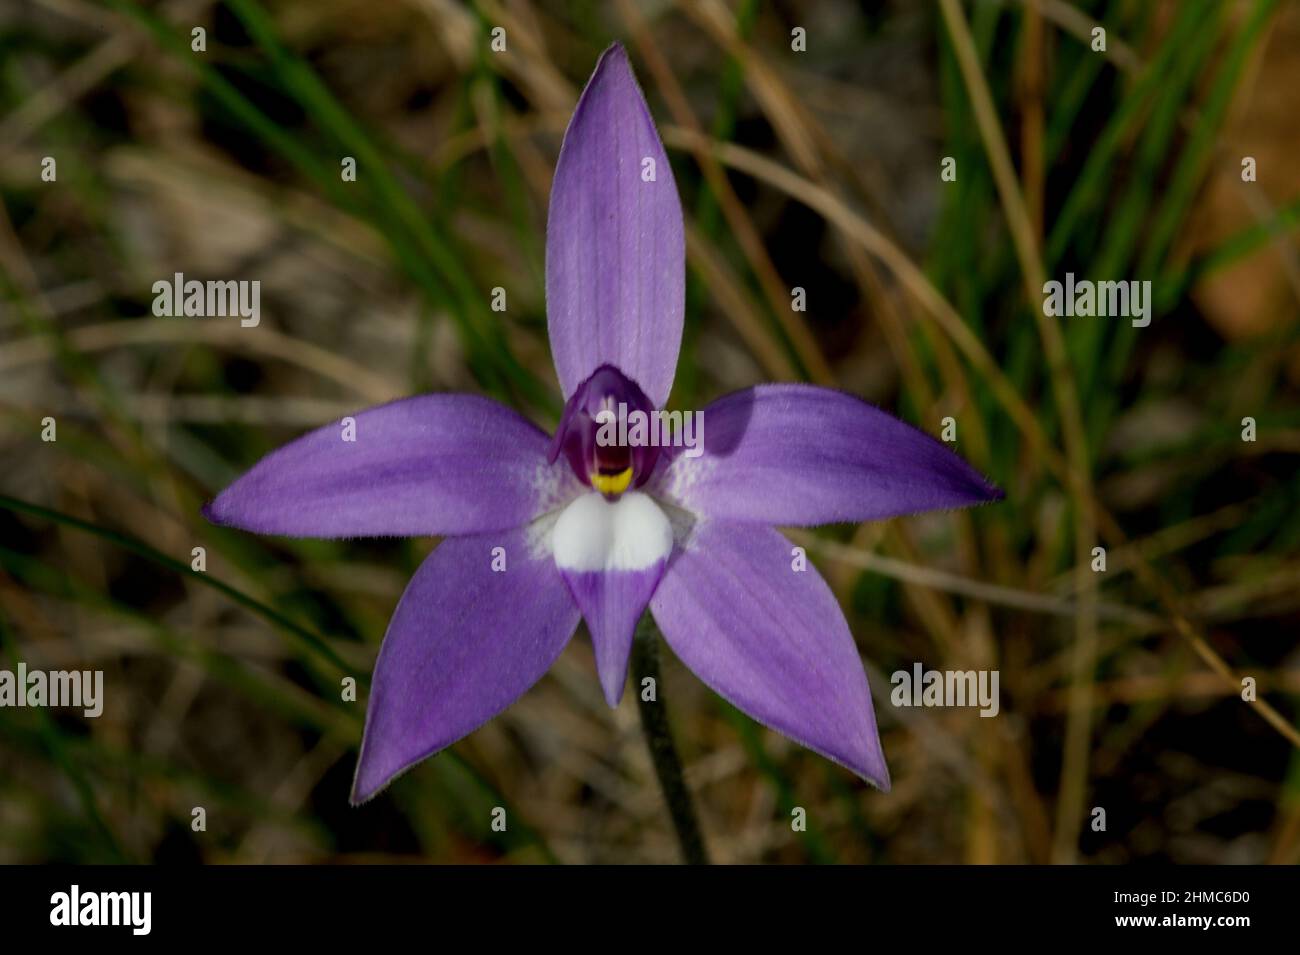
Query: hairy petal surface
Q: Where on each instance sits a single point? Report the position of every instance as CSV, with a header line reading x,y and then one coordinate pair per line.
x,y
612,554
433,464
771,640
792,454
465,642
615,247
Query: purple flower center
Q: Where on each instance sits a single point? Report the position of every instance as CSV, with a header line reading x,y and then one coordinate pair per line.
x,y
594,437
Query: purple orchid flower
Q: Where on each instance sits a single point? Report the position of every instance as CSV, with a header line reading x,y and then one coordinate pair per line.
x,y
540,532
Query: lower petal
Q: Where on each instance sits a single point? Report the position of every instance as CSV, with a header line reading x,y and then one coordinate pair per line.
x,y
481,621
771,640
612,555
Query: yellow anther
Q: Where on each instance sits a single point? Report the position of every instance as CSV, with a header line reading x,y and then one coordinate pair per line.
x,y
612,485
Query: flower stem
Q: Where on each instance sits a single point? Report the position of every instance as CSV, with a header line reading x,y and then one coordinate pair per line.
x,y
663,752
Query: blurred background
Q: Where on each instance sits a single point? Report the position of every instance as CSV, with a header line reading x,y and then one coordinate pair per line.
x,y
817,169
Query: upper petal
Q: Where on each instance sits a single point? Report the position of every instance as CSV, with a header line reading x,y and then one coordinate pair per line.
x,y
802,455
474,630
433,464
771,640
615,248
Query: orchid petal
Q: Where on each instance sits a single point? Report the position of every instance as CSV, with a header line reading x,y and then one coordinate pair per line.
x,y
771,640
474,630
615,246
612,554
801,455
433,464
